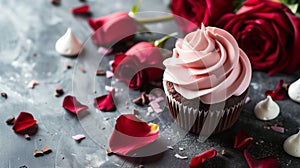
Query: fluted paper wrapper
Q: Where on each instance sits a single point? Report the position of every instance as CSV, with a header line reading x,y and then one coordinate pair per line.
x,y
204,122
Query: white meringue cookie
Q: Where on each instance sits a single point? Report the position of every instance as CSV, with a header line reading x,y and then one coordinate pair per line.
x,y
68,44
266,109
292,145
294,91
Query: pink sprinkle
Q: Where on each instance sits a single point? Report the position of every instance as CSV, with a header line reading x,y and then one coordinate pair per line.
x,y
180,157
278,129
247,100
109,74
78,137
32,84
104,51
110,88
154,104
151,97
158,110
158,99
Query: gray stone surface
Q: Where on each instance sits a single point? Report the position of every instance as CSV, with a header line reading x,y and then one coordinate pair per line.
x,y
29,30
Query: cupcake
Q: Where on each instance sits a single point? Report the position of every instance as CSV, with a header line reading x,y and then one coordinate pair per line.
x,y
206,81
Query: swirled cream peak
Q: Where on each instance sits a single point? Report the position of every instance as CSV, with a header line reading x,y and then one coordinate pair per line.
x,y
294,91
208,64
292,145
266,109
68,44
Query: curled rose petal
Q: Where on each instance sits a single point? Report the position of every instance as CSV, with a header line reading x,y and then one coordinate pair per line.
x,y
105,102
25,124
278,93
198,160
117,60
80,9
131,133
267,162
242,141
71,104
112,28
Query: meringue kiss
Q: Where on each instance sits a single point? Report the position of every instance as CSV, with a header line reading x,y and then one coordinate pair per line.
x,y
68,44
292,145
294,91
266,109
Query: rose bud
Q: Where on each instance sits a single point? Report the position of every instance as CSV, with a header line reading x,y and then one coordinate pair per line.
x,y
112,28
140,65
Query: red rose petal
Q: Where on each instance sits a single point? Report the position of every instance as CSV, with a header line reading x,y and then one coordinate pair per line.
x,y
242,141
278,93
80,9
267,162
71,104
117,60
198,160
131,133
105,102
24,122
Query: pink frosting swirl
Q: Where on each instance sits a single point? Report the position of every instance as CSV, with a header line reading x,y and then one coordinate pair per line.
x,y
208,64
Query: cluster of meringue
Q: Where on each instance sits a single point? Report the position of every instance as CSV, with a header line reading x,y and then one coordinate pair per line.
x,y
268,109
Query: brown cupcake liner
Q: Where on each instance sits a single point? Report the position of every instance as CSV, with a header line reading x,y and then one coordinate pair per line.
x,y
204,122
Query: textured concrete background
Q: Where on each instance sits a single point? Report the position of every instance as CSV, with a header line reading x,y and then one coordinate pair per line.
x,y
28,32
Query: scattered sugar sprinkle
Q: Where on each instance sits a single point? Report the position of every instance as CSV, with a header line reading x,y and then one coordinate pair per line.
x,y
110,88
109,74
170,147
110,63
180,157
181,149
247,100
104,51
32,84
277,129
78,137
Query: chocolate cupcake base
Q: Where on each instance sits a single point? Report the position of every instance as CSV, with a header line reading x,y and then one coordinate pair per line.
x,y
200,118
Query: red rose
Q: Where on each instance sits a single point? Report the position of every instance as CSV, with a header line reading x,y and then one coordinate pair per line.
x,y
269,34
139,66
198,11
112,28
